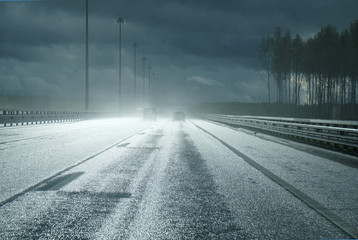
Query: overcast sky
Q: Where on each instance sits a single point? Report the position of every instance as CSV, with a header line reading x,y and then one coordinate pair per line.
x,y
199,50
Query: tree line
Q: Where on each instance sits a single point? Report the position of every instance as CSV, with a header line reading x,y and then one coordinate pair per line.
x,y
321,71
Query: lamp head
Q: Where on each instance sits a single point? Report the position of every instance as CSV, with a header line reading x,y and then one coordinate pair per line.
x,y
120,20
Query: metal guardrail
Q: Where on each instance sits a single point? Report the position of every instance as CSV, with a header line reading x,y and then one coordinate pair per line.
x,y
16,118
336,135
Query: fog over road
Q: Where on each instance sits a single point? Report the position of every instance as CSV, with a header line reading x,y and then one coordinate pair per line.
x,y
133,179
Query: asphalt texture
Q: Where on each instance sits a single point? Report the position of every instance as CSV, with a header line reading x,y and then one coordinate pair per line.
x,y
169,180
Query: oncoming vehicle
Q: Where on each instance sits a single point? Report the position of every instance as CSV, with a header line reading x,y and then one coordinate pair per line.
x,y
179,116
149,114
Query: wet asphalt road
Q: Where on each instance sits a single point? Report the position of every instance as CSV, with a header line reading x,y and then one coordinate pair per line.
x,y
172,180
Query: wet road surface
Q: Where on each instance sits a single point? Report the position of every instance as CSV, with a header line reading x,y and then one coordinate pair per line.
x,y
171,180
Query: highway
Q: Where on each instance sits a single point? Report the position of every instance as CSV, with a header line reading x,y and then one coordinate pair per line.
x,y
127,178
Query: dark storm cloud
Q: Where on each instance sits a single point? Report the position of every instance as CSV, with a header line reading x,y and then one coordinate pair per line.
x,y
217,29
212,28
31,24
190,44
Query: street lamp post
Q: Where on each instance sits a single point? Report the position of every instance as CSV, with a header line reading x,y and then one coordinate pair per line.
x,y
149,83
135,45
143,90
156,90
153,89
86,83
119,21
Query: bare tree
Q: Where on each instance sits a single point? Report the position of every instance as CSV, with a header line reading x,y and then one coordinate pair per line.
x,y
265,54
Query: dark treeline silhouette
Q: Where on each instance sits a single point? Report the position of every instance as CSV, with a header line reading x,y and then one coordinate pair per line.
x,y
265,109
321,72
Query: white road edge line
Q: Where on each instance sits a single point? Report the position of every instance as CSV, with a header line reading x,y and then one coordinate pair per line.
x,y
335,219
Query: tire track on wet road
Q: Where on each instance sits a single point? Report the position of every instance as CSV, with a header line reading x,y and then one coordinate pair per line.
x,y
78,209
193,203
